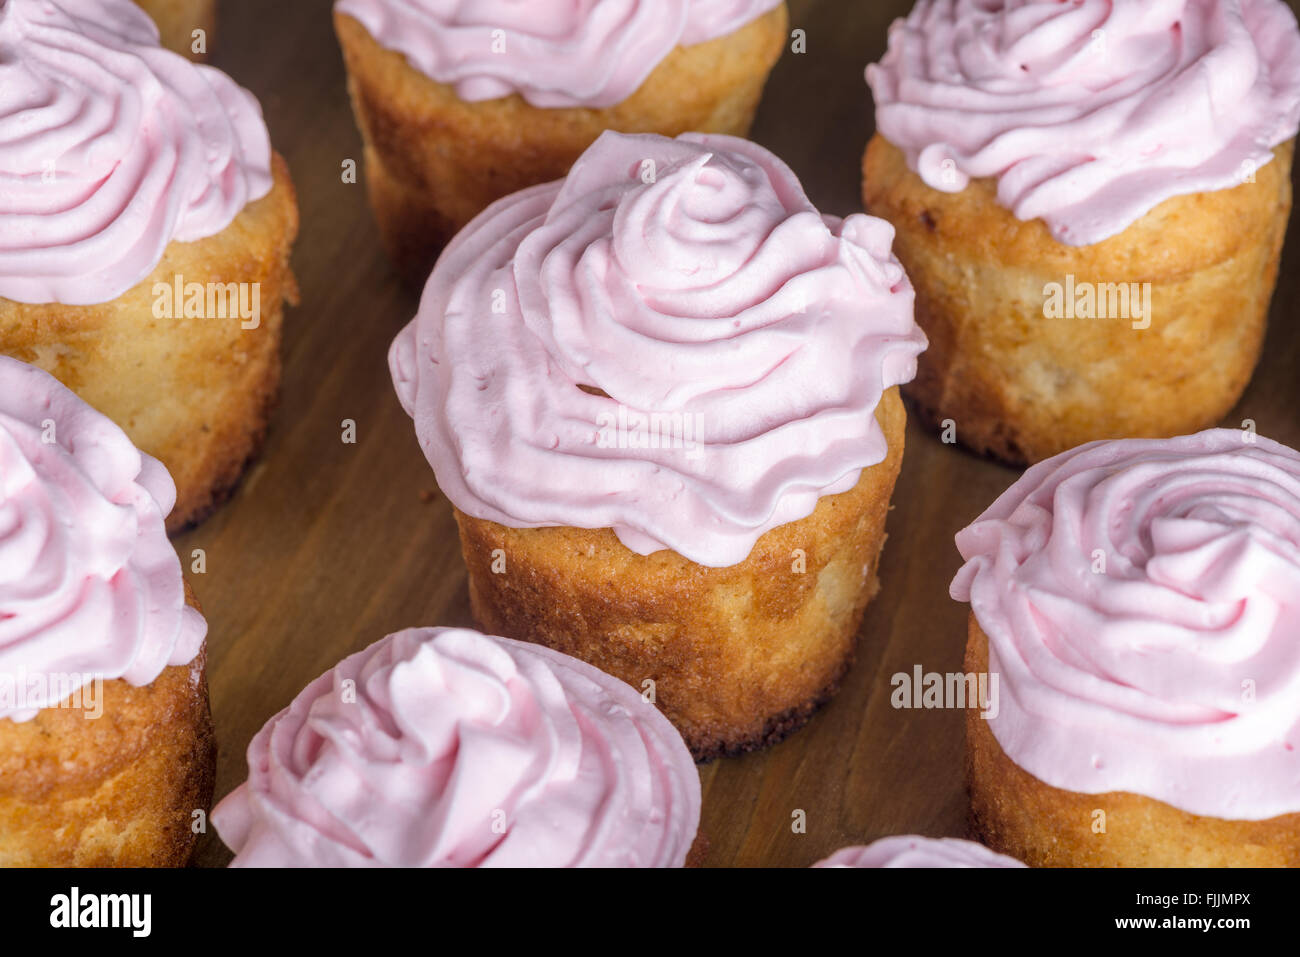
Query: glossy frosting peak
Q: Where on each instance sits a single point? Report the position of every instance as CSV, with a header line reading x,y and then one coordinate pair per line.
x,y
90,587
554,53
911,851
1091,113
110,148
443,747
1142,604
672,342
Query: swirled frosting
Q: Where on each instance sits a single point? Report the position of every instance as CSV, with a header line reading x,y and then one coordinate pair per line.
x,y
911,851
110,148
554,53
442,747
1089,113
1140,602
671,343
90,587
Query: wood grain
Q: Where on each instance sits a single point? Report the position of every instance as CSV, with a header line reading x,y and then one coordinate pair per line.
x,y
328,546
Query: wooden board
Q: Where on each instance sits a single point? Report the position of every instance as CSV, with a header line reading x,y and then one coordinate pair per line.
x,y
329,546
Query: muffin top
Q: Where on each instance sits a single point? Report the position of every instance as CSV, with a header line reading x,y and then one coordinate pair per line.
x,y
671,342
90,587
553,53
110,148
1089,114
1140,602
441,747
912,851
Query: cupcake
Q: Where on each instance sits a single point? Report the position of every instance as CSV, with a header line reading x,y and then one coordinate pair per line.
x,y
1137,600
106,747
440,747
1090,200
459,105
145,228
661,396
911,851
178,19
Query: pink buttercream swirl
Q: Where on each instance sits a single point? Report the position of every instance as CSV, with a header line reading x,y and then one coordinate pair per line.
x,y
554,53
923,852
1140,600
1089,113
90,587
686,278
110,148
443,747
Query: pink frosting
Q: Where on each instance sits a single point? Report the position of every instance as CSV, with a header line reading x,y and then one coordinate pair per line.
x,y
1089,113
910,851
554,53
714,293
442,747
1142,603
110,148
89,583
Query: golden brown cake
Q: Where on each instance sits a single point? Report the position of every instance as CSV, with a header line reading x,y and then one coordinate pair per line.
x,y
687,489
740,656
1022,387
169,324
117,792
202,405
1017,814
107,754
1093,233
1133,605
178,19
434,159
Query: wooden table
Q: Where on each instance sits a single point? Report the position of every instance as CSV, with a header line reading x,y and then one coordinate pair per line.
x,y
329,546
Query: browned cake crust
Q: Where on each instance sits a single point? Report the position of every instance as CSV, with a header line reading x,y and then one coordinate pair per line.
x,y
1015,813
178,19
699,851
740,656
1023,387
116,791
195,393
433,161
